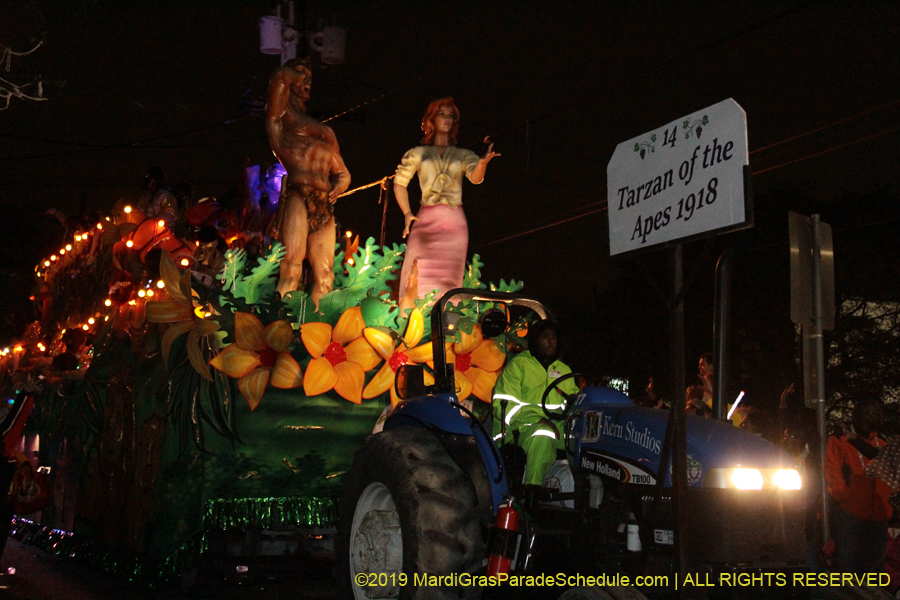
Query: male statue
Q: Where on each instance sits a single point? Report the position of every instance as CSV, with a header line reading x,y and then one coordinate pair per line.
x,y
316,176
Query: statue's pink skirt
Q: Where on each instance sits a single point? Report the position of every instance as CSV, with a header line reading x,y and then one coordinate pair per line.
x,y
439,240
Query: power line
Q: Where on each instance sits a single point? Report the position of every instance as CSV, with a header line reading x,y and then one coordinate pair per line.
x,y
605,206
824,127
543,227
375,99
834,230
827,150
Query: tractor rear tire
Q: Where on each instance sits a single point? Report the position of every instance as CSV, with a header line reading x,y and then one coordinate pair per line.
x,y
408,511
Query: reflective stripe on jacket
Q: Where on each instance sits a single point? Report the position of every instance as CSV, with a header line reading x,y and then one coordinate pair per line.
x,y
522,383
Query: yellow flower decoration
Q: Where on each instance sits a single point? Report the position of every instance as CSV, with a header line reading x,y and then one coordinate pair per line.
x,y
477,362
258,357
179,310
340,356
397,353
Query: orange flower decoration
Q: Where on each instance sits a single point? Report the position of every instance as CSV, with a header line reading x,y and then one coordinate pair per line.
x,y
477,362
340,356
397,353
179,310
258,357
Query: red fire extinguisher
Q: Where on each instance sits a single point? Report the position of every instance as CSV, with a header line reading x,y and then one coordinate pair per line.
x,y
504,536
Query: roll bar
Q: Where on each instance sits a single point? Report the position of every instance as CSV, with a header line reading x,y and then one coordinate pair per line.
x,y
443,373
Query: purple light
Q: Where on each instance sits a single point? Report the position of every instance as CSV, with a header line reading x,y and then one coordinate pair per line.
x,y
273,181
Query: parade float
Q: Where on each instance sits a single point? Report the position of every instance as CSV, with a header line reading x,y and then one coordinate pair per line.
x,y
178,396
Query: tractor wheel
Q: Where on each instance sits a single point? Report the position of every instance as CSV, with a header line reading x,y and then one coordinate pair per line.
x,y
408,511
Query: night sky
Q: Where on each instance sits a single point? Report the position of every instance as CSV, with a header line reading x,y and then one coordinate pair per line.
x,y
557,85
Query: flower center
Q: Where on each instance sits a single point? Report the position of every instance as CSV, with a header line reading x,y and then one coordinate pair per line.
x,y
397,360
335,353
463,362
268,358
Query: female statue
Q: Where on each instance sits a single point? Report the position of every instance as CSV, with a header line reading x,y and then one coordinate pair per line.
x,y
440,237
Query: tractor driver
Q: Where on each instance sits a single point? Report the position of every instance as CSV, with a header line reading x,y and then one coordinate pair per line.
x,y
522,383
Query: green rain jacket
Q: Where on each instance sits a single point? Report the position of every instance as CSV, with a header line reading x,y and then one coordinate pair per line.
x,y
522,383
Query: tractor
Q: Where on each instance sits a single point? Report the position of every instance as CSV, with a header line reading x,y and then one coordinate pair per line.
x,y
433,506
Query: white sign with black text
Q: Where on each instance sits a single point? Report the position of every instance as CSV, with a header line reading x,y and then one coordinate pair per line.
x,y
679,181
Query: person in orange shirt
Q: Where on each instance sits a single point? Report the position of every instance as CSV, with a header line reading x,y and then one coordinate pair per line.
x,y
861,508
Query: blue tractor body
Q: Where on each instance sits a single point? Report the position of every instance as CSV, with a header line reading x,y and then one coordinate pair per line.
x,y
435,457
608,435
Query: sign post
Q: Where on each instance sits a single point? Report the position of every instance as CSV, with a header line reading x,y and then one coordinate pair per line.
x,y
683,181
812,307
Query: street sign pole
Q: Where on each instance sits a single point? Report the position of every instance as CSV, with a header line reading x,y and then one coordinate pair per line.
x,y
820,369
676,353
812,307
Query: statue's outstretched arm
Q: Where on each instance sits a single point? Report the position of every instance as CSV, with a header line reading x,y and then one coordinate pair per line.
x,y
481,167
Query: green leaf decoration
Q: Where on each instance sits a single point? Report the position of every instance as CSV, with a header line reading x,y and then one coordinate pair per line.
x,y
512,287
368,275
467,324
300,307
385,264
370,268
686,124
426,303
235,260
333,304
255,287
472,275
705,120
260,284
380,313
653,138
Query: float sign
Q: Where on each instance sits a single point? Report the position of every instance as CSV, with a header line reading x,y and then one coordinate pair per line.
x,y
680,181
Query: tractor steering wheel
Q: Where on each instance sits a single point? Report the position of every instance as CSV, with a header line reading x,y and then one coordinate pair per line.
x,y
570,398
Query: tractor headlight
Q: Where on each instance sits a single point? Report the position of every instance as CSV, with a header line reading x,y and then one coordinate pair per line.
x,y
787,479
747,479
744,478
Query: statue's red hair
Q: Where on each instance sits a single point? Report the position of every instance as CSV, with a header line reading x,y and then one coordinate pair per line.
x,y
431,113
